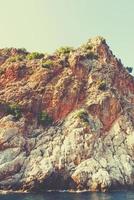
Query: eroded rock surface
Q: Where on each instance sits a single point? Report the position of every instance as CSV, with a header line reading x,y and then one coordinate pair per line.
x,y
90,144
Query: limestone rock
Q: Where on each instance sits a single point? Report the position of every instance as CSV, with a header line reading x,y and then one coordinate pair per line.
x,y
87,141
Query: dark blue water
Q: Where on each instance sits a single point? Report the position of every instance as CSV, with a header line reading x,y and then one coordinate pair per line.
x,y
70,196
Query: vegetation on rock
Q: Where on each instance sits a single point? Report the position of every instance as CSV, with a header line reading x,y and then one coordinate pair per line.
x,y
64,50
22,50
14,110
44,119
129,69
1,71
91,55
102,86
34,55
16,58
47,64
83,115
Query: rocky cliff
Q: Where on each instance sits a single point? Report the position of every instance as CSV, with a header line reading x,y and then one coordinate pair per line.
x,y
66,120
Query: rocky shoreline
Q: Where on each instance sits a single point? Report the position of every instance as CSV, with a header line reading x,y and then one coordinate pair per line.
x,y
65,191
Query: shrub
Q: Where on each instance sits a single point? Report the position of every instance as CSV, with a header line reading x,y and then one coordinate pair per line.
x,y
2,71
91,55
129,69
47,64
44,119
14,110
16,58
83,115
22,50
34,55
5,51
64,50
88,47
102,86
96,40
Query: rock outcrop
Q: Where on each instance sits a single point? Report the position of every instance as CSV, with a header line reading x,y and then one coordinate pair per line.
x,y
66,120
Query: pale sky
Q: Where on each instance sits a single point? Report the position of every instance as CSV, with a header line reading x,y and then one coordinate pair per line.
x,y
45,25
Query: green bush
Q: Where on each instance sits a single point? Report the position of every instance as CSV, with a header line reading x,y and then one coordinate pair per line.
x,y
88,47
47,64
22,50
83,115
14,110
34,55
2,71
64,50
16,58
5,51
91,55
102,86
97,38
129,69
44,119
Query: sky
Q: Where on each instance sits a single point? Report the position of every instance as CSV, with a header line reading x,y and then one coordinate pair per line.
x,y
45,25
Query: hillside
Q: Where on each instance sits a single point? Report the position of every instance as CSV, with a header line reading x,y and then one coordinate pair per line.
x,y
66,120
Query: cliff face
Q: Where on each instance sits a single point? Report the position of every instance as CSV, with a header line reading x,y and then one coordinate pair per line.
x,y
66,120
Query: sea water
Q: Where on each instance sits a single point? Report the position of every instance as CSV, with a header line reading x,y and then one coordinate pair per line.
x,y
122,195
